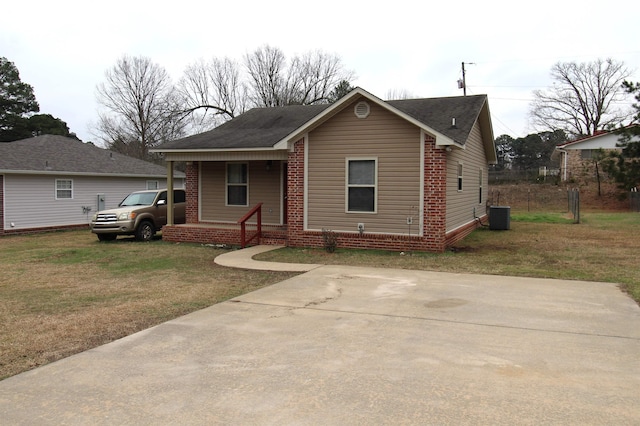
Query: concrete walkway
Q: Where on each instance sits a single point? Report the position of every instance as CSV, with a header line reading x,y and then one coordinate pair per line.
x,y
244,259
360,346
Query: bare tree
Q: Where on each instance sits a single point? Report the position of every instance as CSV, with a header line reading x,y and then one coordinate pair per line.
x,y
268,77
582,99
213,92
308,79
140,107
314,76
221,89
398,94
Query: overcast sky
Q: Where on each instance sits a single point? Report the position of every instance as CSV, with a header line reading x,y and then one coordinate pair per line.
x,y
63,48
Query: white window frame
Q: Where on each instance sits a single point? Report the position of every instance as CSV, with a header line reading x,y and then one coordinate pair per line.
x,y
227,184
153,184
348,160
58,189
460,176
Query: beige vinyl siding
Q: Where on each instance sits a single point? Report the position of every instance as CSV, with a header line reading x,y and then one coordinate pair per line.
x,y
393,142
461,204
29,200
263,186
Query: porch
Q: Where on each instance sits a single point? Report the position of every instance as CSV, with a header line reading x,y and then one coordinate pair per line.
x,y
224,233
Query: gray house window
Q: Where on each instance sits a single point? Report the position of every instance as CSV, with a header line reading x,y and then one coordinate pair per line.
x,y
459,176
64,189
237,184
152,184
587,154
361,185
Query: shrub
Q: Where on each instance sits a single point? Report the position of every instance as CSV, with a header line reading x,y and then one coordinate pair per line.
x,y
330,240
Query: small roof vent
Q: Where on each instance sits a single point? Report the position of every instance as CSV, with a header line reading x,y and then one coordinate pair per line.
x,y
362,109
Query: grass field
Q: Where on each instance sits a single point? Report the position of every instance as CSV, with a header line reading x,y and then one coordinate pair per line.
x,y
63,293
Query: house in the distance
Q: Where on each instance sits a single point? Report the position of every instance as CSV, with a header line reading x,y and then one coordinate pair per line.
x,y
53,182
577,157
398,175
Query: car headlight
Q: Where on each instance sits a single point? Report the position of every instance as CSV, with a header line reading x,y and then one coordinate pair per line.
x,y
94,217
127,216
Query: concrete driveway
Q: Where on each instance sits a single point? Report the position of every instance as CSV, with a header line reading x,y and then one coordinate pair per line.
x,y
361,346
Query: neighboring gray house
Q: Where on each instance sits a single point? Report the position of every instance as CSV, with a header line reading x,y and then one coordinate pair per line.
x,y
54,182
398,175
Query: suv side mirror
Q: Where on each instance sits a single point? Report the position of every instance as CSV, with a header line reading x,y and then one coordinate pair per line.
x,y
162,202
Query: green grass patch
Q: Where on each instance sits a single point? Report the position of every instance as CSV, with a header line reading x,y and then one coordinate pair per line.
x,y
541,217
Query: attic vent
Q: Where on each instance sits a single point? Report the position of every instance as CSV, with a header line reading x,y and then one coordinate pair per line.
x,y
362,109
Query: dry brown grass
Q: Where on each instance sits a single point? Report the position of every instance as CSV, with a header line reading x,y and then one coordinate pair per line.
x,y
63,293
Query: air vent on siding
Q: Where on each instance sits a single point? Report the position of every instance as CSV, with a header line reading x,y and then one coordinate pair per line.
x,y
362,109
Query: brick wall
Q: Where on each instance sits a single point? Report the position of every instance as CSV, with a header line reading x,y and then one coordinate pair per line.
x,y
191,186
435,193
1,204
295,196
209,234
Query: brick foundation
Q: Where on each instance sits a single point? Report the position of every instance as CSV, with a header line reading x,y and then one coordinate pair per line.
x,y
224,234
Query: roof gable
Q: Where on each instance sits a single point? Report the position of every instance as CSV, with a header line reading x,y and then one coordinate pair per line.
x,y
53,153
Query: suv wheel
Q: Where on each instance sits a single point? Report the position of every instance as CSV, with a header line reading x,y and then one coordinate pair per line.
x,y
106,237
145,231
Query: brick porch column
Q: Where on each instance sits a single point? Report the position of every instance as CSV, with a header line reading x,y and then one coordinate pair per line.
x,y
295,194
435,193
191,186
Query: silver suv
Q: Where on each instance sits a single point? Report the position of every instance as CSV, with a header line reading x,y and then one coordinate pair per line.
x,y
141,214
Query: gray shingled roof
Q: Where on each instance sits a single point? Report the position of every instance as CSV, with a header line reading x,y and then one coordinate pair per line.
x,y
438,113
52,153
264,127
256,128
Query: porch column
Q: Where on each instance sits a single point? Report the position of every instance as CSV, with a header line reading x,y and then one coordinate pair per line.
x,y
169,193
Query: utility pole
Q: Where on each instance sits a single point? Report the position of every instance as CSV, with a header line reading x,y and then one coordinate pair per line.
x,y
462,84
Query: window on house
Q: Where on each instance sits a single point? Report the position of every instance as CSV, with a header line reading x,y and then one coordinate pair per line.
x,y
480,179
587,154
64,189
152,184
361,185
237,184
459,176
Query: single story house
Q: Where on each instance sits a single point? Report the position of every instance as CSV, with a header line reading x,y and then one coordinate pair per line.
x,y
53,182
397,175
576,157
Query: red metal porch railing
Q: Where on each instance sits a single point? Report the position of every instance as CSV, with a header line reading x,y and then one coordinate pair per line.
x,y
243,232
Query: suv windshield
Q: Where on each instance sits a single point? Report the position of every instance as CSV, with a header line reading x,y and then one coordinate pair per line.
x,y
139,199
